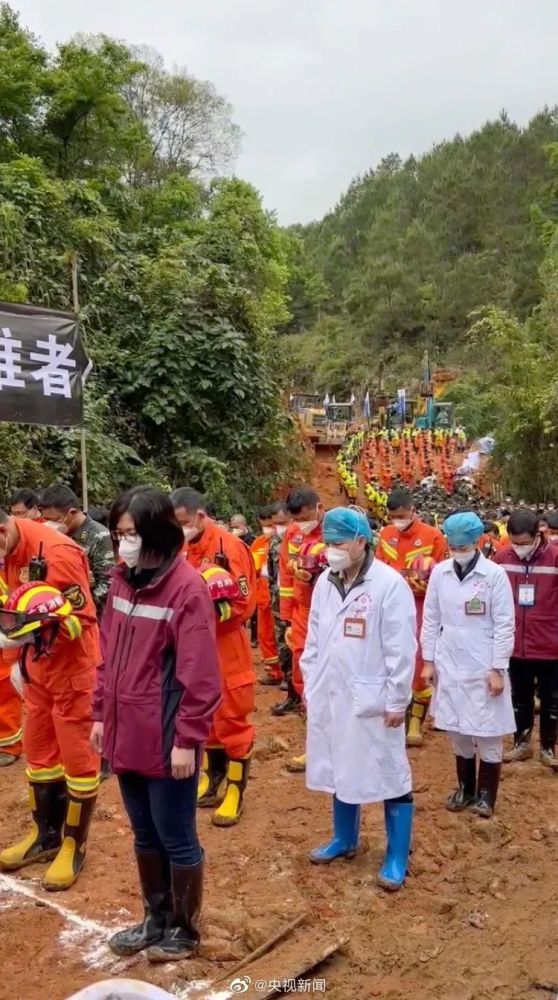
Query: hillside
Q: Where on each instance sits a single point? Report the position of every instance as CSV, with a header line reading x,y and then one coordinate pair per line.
x,y
418,254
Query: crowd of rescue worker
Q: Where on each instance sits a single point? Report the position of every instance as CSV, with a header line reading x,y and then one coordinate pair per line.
x,y
127,640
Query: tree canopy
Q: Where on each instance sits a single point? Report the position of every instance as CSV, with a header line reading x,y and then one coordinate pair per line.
x,y
183,276
455,252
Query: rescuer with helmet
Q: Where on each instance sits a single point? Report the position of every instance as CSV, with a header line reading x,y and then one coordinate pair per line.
x,y
413,548
226,564
50,629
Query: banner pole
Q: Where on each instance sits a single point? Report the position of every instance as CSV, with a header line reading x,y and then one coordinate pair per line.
x,y
83,445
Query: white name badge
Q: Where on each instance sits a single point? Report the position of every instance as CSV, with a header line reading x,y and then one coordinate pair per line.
x,y
526,595
354,628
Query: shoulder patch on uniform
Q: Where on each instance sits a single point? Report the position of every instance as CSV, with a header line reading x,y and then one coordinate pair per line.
x,y
75,595
243,584
24,574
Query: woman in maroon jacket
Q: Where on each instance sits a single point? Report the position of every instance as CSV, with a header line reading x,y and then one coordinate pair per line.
x,y
531,563
157,691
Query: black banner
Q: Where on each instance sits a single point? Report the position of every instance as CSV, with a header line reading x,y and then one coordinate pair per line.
x,y
43,366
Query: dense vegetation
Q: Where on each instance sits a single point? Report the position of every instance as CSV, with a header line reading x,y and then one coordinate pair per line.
x,y
456,252
182,275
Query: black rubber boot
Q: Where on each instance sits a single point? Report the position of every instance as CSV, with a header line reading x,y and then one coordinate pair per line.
x,y
488,781
47,800
154,876
211,788
182,935
292,701
465,792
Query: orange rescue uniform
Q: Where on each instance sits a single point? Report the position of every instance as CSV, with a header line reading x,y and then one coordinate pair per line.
x,y
266,625
295,593
58,699
232,726
399,549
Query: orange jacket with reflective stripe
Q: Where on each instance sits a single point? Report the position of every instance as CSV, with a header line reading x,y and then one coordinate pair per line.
x,y
68,571
201,555
294,592
399,548
260,552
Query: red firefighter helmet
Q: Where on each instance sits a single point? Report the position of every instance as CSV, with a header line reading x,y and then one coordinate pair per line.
x,y
35,606
422,567
222,586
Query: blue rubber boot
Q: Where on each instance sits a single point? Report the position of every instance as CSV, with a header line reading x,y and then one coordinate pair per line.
x,y
399,826
346,824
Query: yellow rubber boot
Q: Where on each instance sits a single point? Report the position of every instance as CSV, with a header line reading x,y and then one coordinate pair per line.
x,y
47,800
297,765
417,715
212,780
70,859
230,810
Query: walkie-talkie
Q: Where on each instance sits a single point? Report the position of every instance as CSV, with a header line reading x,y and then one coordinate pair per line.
x,y
38,567
221,558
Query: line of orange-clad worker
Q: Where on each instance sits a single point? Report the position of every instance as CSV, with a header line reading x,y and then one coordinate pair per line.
x,y
266,624
412,547
226,563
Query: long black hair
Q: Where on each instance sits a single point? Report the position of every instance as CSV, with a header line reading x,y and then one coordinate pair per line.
x,y
153,515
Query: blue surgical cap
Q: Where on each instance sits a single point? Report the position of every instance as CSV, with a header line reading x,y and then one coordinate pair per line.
x,y
343,524
463,529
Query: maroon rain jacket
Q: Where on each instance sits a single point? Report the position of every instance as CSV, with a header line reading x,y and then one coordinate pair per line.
x,y
159,684
536,627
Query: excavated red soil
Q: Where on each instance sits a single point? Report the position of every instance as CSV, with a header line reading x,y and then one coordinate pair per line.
x,y
477,920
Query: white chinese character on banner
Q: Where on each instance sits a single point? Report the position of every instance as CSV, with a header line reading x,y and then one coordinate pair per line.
x,y
10,357
54,374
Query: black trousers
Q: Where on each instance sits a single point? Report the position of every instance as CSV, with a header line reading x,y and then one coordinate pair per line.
x,y
525,675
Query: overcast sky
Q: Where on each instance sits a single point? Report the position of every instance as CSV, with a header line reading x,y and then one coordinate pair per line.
x,y
322,89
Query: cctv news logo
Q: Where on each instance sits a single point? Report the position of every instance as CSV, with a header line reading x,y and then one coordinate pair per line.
x,y
241,984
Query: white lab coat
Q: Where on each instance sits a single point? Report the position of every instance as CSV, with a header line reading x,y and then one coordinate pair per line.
x,y
465,647
350,682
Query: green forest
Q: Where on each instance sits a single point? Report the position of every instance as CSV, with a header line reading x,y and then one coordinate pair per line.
x,y
455,252
201,313
183,277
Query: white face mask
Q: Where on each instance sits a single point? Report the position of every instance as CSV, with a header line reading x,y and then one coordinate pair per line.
x,y
129,551
189,532
338,559
280,530
268,531
238,532
55,525
308,526
524,551
402,523
462,558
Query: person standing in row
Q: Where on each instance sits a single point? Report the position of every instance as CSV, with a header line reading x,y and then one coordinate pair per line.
x,y
531,563
209,549
301,561
403,542
358,666
25,503
157,690
62,769
281,519
62,511
265,628
467,640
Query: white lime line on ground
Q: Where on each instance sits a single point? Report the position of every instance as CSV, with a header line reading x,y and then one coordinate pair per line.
x,y
80,930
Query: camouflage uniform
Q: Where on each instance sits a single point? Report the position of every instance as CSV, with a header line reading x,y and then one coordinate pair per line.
x,y
285,654
96,540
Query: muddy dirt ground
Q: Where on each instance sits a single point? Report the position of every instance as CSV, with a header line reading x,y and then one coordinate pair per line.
x,y
477,919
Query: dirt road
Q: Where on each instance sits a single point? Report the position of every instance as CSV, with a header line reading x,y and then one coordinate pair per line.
x,y
477,920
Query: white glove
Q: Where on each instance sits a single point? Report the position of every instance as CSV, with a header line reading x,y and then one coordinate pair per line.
x,y
6,643
16,678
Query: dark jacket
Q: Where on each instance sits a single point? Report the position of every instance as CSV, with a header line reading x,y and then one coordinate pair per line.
x,y
159,684
536,627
